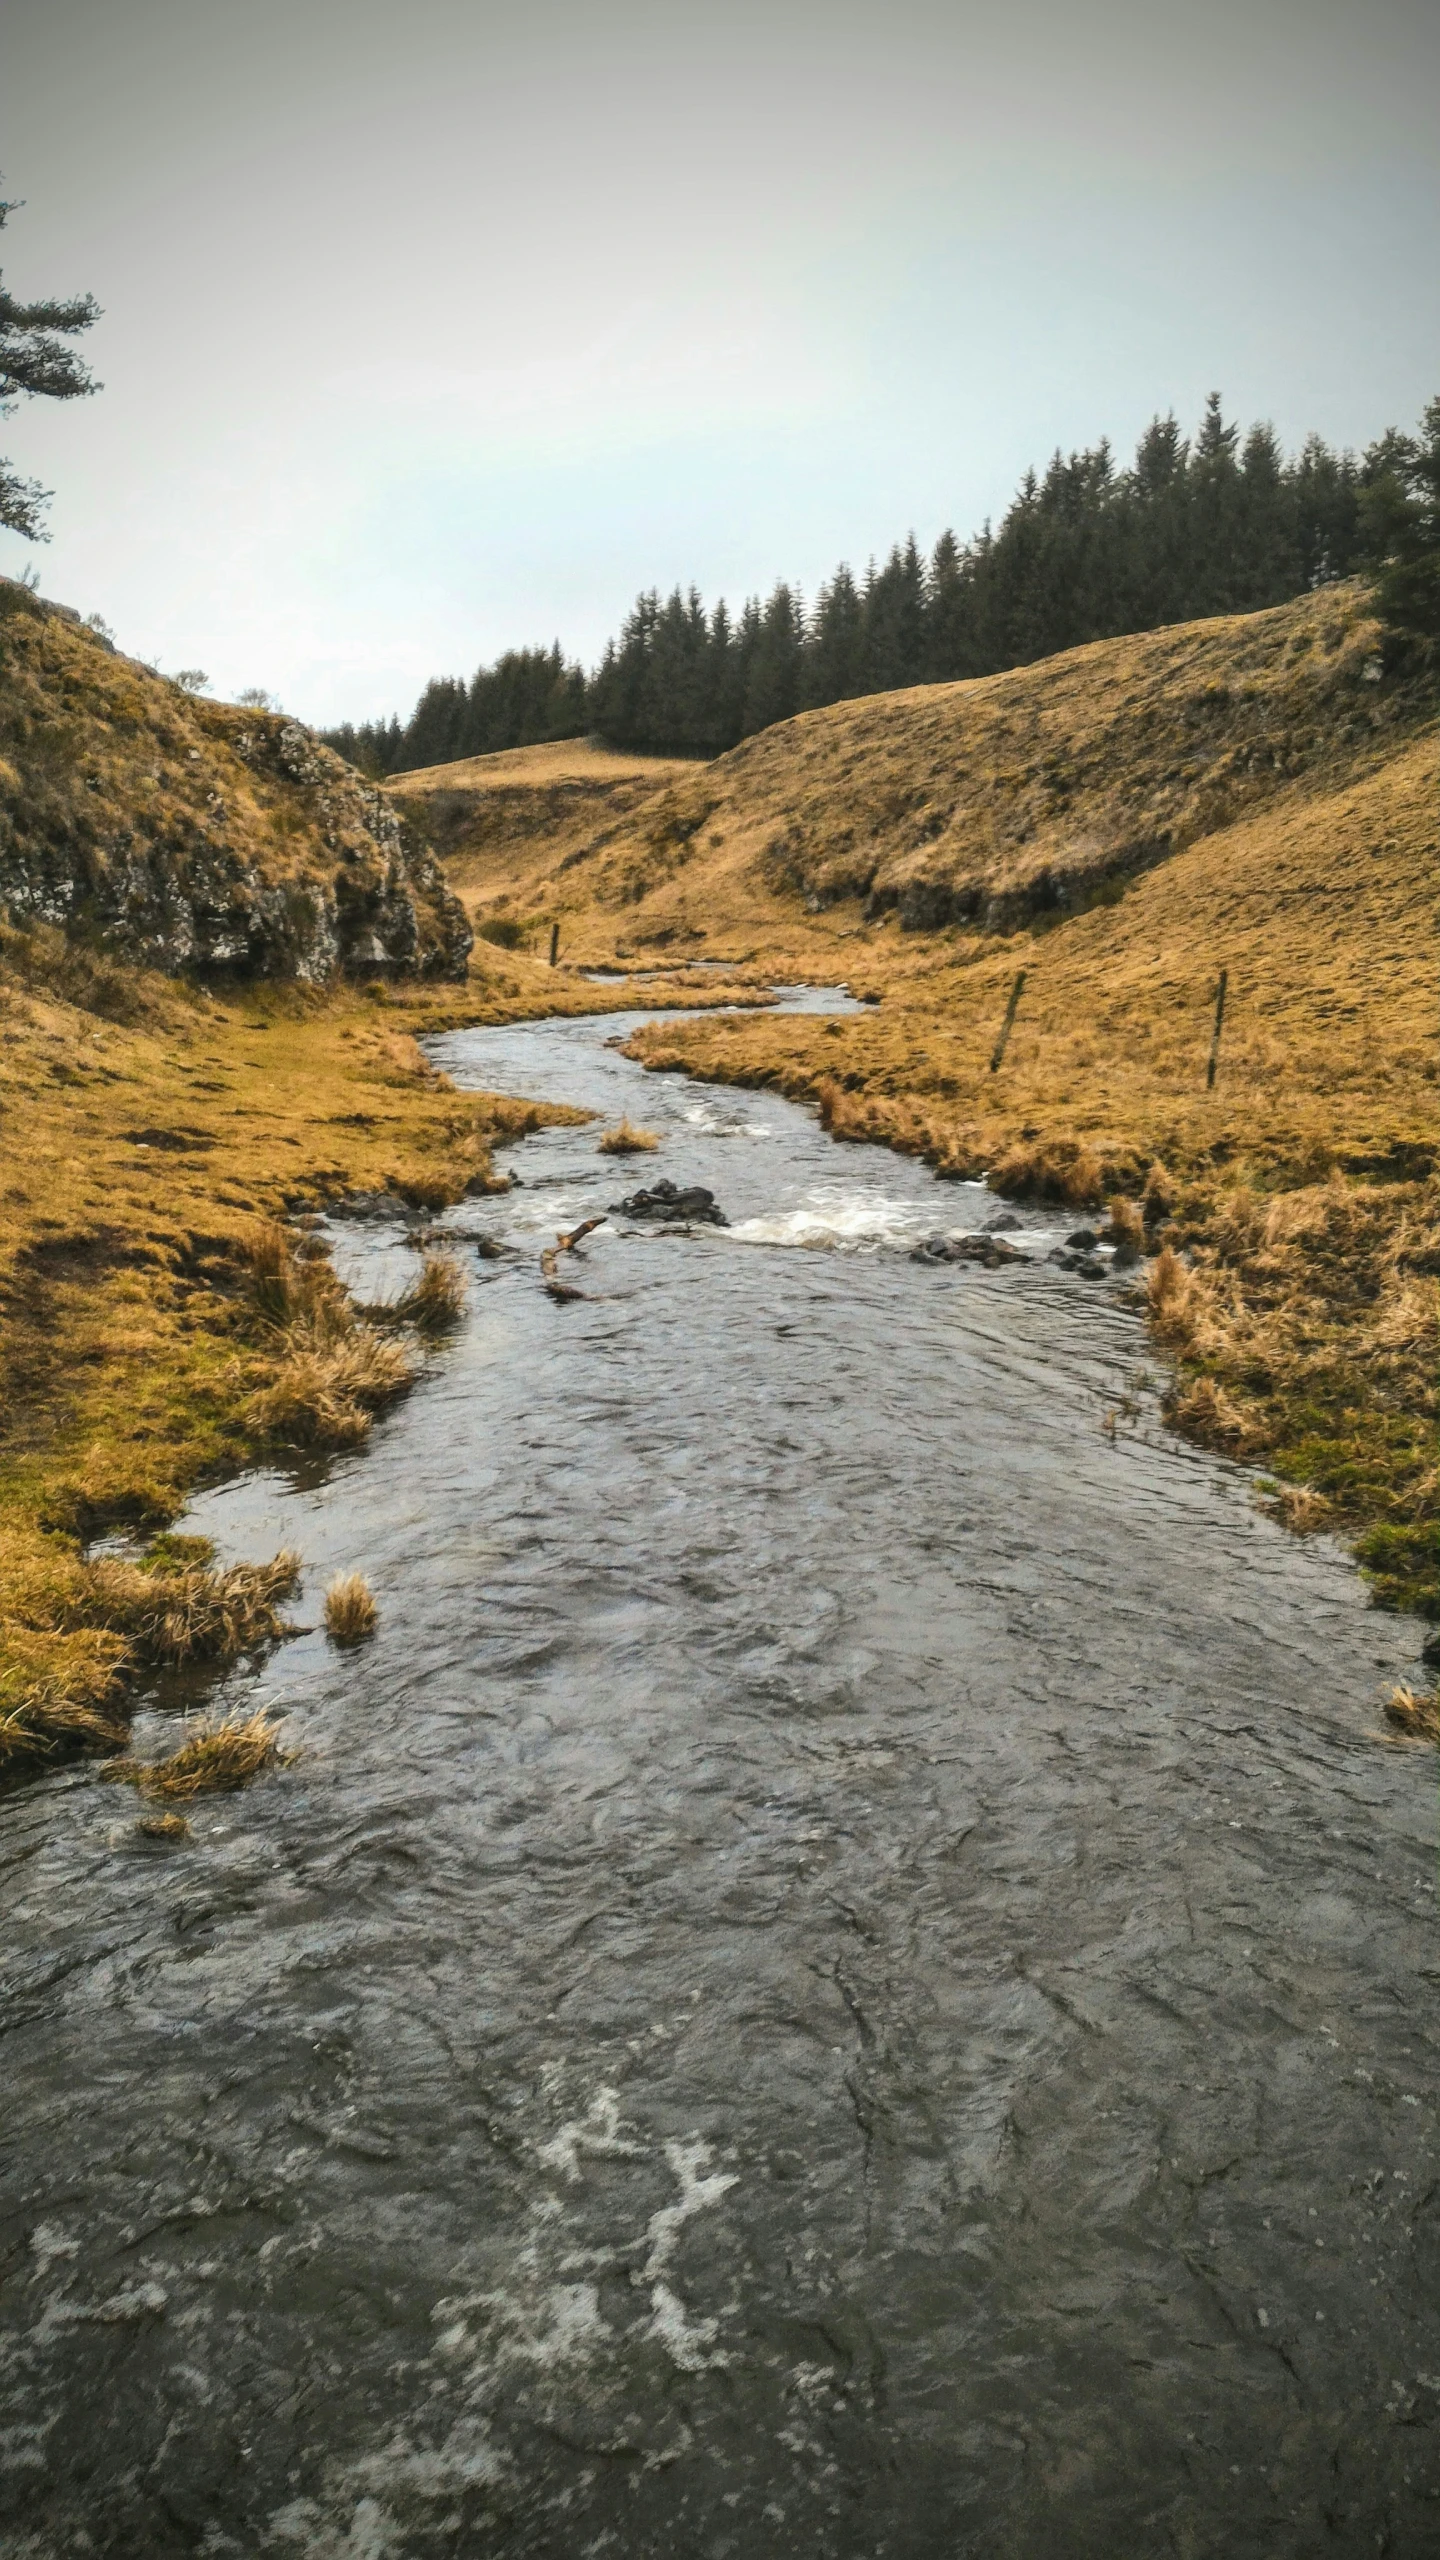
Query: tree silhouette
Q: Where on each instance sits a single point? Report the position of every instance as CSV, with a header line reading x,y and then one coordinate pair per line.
x,y
36,365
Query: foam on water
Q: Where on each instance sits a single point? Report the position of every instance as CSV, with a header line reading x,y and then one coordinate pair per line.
x,y
834,1218
721,1120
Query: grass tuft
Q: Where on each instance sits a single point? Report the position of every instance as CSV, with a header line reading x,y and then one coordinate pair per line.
x,y
1050,1168
324,1395
1126,1232
1297,1507
214,1759
163,1826
195,1615
436,1301
628,1140
60,1691
350,1611
1414,1712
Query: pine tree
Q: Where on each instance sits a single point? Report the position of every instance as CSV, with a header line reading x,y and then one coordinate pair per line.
x,y
1400,520
833,664
895,607
1086,552
772,684
950,631
35,366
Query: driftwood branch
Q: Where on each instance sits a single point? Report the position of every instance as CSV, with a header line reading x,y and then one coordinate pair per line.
x,y
555,1287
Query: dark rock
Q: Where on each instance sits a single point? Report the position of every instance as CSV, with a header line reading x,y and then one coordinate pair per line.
x,y
1005,1225
990,1250
1084,1240
663,1200
371,1205
1088,1265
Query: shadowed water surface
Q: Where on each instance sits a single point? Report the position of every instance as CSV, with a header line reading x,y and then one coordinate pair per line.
x,y
848,1975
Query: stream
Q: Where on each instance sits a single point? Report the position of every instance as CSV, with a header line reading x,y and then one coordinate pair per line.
x,y
851,1973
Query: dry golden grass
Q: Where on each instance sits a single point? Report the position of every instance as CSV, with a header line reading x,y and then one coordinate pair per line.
x,y
436,1301
59,1691
1416,1713
1126,1232
163,1826
1297,1508
215,1758
325,1395
170,1618
350,1611
627,1140
509,825
532,769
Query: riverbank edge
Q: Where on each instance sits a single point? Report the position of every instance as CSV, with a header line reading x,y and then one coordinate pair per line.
x,y
160,1137
1299,1319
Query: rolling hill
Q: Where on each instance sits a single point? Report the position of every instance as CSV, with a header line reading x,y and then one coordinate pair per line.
x,y
1253,795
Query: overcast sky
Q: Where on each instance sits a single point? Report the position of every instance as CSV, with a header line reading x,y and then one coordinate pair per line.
x,y
436,328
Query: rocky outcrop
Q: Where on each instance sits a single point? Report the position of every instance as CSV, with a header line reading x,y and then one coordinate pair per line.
x,y
194,836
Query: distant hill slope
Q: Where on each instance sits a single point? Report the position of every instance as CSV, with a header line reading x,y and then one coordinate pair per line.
x,y
979,807
186,834
493,817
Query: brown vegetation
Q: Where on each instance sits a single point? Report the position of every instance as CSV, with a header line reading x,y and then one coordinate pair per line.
x,y
171,1617
163,1826
214,1759
511,825
436,1301
1416,1713
627,1140
350,1611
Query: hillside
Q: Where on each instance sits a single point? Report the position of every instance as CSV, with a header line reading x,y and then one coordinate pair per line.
x,y
1121,823
186,834
982,806
494,817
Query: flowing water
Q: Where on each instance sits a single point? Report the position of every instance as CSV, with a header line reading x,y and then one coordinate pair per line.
x,y
849,1974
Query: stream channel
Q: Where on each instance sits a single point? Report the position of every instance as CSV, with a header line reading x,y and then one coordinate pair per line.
x,y
850,1973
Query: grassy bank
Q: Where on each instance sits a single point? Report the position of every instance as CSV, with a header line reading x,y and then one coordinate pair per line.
x,y
164,1321
1298,1198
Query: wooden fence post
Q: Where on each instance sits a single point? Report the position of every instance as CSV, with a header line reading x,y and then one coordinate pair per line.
x,y
1219,1025
554,944
1008,1024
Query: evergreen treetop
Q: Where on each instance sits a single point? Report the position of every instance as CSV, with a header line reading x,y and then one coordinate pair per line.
x,y
1223,524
